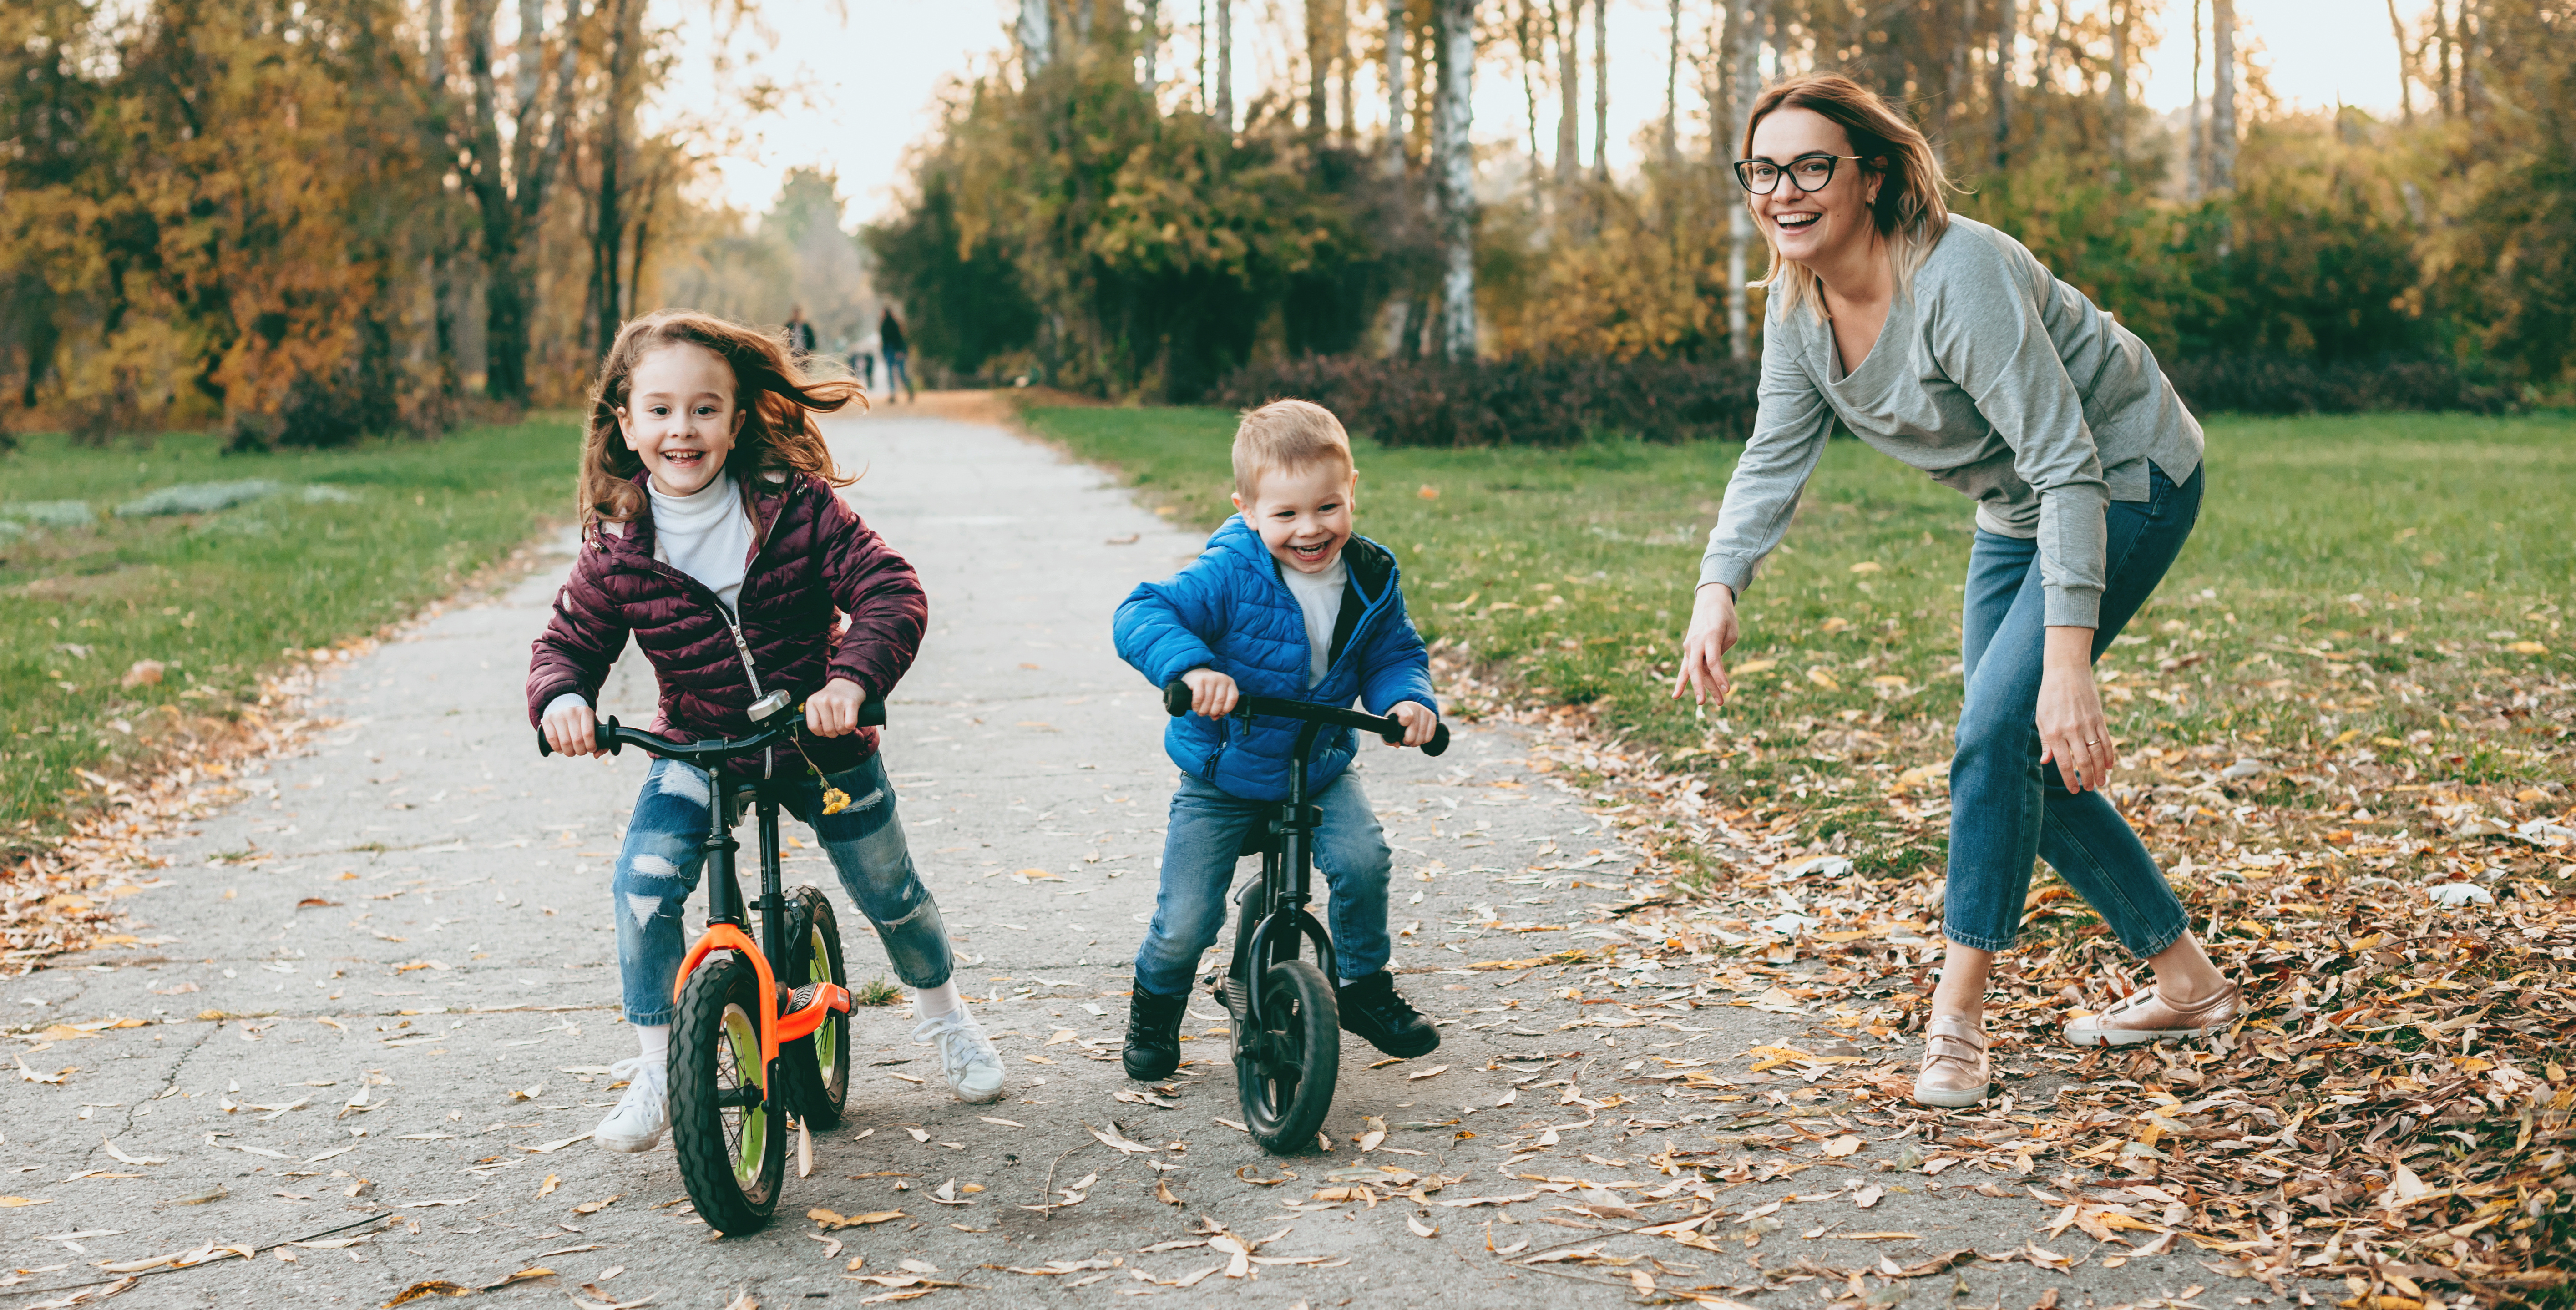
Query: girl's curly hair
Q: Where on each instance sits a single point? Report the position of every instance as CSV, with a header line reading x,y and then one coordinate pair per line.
x,y
776,399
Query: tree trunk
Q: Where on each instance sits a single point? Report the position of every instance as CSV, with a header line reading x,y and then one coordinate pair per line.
x,y
1745,20
1564,19
1955,80
2195,178
1673,86
2222,95
1149,44
1225,65
1398,30
2116,101
2007,27
1319,65
1453,115
1037,36
609,236
1346,72
1525,37
1601,90
2405,83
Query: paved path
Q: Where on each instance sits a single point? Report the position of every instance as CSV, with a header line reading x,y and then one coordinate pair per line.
x,y
401,942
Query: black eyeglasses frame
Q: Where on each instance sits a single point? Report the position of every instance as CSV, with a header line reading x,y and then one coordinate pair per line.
x,y
1832,161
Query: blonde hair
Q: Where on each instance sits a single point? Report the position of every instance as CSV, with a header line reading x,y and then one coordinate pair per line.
x,y
1285,436
776,399
1911,211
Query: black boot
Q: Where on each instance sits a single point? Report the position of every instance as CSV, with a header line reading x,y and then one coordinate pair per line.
x,y
1154,1035
1372,1008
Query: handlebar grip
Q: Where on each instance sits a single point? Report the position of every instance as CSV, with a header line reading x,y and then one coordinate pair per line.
x,y
872,714
603,734
1176,698
1439,741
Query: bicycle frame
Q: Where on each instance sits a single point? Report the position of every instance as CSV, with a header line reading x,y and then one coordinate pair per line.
x,y
1287,887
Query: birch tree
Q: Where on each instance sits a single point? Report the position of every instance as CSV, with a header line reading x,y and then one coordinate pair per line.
x,y
1452,164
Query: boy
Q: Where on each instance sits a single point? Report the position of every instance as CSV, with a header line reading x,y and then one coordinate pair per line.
x,y
1284,602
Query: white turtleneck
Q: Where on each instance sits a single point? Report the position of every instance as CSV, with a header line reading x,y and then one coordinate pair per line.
x,y
706,535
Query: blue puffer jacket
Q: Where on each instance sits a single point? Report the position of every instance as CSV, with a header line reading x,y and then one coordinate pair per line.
x,y
1230,612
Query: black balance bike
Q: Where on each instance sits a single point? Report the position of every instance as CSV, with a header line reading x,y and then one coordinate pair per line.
x,y
1286,1030
762,1033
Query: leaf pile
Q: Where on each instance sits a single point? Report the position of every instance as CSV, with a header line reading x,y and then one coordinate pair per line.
x,y
2395,1107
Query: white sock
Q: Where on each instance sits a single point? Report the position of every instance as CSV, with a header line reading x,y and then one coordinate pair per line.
x,y
932,1002
654,1040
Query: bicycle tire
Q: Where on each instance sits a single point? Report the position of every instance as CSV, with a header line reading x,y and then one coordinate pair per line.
x,y
733,1159
816,1068
1285,1077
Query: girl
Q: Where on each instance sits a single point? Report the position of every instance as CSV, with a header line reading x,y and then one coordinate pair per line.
x,y
1944,343
711,534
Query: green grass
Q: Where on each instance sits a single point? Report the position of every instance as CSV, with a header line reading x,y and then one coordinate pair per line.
x,y
221,597
2355,580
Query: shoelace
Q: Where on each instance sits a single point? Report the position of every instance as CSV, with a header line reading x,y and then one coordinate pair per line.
x,y
947,1028
636,1069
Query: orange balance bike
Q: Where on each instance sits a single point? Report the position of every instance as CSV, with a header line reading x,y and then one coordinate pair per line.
x,y
760,1044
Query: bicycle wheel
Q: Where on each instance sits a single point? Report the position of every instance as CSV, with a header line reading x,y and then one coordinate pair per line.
x,y
729,1132
816,1069
1285,1072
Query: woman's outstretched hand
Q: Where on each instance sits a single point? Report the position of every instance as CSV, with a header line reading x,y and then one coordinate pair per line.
x,y
1712,633
2073,734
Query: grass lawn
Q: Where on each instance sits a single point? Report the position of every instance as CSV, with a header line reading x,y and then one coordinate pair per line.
x,y
218,597
2384,593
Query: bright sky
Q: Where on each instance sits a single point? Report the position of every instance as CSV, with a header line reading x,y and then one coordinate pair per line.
x,y
875,76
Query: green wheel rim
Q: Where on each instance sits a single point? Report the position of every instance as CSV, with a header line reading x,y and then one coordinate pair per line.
x,y
738,1065
827,1039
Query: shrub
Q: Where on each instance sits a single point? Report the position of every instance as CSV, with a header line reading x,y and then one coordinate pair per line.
x,y
1523,401
2243,384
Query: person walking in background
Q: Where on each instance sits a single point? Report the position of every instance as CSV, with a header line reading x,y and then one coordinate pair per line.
x,y
890,343
1944,343
863,362
800,334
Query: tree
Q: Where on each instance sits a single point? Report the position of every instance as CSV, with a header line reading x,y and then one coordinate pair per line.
x,y
1453,167
2222,95
509,184
1745,23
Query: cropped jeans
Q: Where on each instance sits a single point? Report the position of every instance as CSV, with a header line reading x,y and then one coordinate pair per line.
x,y
1199,854
661,861
2005,806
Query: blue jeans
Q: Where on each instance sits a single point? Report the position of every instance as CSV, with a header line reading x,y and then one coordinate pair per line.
x,y
898,377
2005,806
660,863
1199,848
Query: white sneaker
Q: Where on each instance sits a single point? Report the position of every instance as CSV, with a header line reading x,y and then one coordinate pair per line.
x,y
966,1055
643,1113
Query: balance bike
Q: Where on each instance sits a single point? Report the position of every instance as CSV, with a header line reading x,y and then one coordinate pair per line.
x,y
754,1043
1286,1021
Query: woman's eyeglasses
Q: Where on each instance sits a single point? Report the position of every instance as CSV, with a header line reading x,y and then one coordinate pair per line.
x,y
1807,172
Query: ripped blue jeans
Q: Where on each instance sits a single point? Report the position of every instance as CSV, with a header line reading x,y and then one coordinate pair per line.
x,y
660,863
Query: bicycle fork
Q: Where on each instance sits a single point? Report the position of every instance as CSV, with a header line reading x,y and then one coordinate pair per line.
x,y
1276,914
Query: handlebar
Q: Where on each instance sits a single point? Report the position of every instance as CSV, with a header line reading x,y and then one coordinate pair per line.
x,y
1176,702
613,736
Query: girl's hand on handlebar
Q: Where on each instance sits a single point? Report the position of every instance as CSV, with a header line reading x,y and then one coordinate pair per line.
x,y
1212,694
1418,720
1712,633
571,730
834,711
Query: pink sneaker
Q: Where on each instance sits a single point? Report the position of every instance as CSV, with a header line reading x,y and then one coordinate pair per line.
x,y
2145,1016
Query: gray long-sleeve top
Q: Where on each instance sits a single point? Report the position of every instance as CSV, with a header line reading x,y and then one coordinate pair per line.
x,y
1994,377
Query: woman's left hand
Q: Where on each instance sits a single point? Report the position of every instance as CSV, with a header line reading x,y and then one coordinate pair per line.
x,y
834,711
2073,733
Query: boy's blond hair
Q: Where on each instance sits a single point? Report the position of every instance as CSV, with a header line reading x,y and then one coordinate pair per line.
x,y
1286,436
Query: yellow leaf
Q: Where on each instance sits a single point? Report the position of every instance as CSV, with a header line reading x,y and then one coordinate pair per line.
x,y
13,1202
1755,666
547,1187
1823,679
2528,648
1867,566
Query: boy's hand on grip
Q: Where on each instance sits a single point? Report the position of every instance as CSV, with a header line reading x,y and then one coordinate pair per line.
x,y
1418,720
1212,694
571,730
834,711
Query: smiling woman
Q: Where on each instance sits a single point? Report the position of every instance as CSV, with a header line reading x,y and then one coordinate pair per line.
x,y
1944,343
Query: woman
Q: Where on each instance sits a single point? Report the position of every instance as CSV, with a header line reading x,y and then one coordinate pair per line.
x,y
1944,343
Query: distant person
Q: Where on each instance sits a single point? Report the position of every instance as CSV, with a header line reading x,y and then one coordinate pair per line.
x,y
890,343
800,334
711,528
863,361
1944,343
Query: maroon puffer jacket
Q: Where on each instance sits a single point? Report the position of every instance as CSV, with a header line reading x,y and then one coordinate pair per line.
x,y
815,562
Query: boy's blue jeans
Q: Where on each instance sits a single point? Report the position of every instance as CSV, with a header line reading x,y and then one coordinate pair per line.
x,y
1199,857
661,862
2005,806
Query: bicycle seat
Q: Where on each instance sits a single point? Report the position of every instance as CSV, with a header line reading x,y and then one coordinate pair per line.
x,y
1257,840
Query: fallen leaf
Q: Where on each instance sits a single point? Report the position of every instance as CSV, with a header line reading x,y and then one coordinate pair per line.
x,y
1432,1072
547,1188
1118,1141
1420,1229
1842,1146
528,1274
831,1221
428,1288
594,1207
